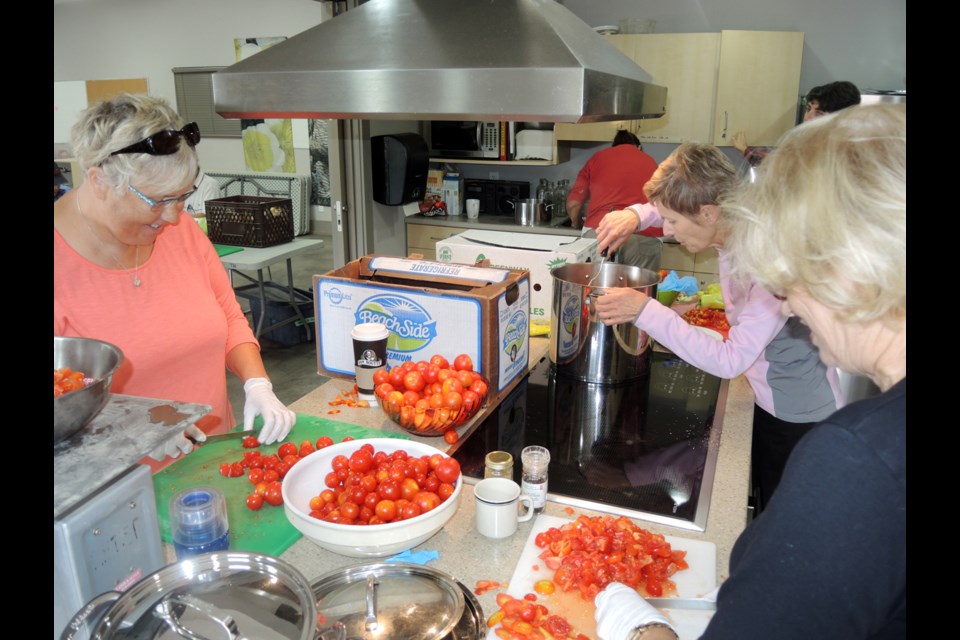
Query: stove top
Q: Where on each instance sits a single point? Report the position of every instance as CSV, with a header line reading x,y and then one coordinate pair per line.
x,y
646,449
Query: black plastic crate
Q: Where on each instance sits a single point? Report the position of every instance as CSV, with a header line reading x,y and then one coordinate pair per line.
x,y
250,221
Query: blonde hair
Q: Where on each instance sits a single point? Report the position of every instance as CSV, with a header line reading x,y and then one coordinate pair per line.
x,y
126,119
692,176
828,214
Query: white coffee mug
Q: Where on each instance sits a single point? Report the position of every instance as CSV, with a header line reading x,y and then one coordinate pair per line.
x,y
497,507
473,208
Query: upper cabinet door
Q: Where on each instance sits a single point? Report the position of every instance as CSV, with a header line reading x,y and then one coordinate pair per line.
x,y
758,85
685,63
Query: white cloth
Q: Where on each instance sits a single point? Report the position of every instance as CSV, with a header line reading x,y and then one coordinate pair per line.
x,y
620,610
207,189
260,400
174,446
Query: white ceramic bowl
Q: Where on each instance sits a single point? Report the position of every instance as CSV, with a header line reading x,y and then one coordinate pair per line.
x,y
305,480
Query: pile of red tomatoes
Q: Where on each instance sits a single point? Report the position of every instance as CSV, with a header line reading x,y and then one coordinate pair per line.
x,y
431,397
374,487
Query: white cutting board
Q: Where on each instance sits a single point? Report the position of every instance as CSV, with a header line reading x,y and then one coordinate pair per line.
x,y
694,582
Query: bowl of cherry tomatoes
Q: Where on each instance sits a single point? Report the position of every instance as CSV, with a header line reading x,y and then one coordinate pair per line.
x,y
83,369
373,497
429,398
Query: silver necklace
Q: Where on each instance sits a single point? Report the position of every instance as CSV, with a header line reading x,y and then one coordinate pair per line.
x,y
103,248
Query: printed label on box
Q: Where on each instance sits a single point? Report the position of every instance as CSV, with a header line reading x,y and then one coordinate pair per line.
x,y
514,340
420,325
539,254
426,267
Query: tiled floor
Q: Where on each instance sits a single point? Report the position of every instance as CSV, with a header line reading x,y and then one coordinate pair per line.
x,y
292,369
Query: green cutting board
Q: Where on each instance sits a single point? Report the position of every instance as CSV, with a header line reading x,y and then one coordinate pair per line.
x,y
267,530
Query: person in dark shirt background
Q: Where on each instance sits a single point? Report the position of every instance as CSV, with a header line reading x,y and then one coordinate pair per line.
x,y
821,100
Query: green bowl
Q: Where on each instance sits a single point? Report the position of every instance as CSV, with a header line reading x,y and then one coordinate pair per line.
x,y
666,298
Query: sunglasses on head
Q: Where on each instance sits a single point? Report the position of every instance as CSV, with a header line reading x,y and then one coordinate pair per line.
x,y
163,143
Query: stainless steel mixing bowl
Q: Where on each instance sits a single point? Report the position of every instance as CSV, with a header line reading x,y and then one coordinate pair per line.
x,y
96,359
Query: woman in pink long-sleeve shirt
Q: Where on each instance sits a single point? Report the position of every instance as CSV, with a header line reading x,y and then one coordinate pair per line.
x,y
126,271
793,389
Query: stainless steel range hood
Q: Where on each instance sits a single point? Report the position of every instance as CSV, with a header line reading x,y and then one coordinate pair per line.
x,y
524,60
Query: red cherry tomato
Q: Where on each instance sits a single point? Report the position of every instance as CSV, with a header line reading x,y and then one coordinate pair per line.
x,y
414,381
273,495
254,501
287,449
463,362
440,361
250,442
324,441
448,470
450,436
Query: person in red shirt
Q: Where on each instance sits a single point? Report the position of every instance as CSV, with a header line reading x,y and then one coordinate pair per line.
x,y
611,180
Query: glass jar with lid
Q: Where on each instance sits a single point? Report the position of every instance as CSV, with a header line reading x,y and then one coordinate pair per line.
x,y
498,464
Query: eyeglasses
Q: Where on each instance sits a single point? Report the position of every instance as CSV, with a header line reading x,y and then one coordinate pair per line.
x,y
157,204
165,142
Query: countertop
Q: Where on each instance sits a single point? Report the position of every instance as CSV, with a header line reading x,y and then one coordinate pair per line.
x,y
495,223
470,557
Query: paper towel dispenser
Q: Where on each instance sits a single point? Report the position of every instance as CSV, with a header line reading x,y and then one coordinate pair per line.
x,y
400,164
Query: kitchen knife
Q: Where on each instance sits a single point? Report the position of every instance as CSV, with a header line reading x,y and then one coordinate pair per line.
x,y
683,603
233,435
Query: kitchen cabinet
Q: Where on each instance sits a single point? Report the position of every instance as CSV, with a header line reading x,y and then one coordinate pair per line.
x,y
717,83
423,238
758,85
704,266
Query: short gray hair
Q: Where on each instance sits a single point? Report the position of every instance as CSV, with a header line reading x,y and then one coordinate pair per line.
x,y
828,214
121,121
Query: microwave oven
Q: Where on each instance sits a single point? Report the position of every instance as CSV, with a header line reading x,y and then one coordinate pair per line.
x,y
462,139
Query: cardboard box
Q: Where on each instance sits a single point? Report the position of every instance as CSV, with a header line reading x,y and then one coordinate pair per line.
x,y
429,308
434,184
532,251
453,193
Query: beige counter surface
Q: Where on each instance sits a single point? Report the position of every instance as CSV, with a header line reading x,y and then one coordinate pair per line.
x,y
472,557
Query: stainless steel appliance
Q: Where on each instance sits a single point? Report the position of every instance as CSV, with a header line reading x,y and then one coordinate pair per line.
x,y
529,59
106,535
646,449
108,542
462,138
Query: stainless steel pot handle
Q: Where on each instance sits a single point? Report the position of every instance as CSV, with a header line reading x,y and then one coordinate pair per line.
x,y
371,622
165,612
93,609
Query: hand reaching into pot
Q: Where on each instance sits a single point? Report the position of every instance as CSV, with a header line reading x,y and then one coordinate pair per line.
x,y
619,305
615,228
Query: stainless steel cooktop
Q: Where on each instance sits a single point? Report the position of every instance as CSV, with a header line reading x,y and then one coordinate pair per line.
x,y
646,449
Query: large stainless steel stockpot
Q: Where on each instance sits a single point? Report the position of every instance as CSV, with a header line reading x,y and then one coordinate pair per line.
x,y
581,346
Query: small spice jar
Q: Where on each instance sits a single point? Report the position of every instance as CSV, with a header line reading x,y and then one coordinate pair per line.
x,y
498,464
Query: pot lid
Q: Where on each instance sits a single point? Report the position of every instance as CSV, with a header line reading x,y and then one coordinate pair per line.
x,y
388,600
229,595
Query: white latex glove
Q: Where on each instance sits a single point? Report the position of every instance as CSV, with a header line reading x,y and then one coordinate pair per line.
x,y
620,610
277,419
174,446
